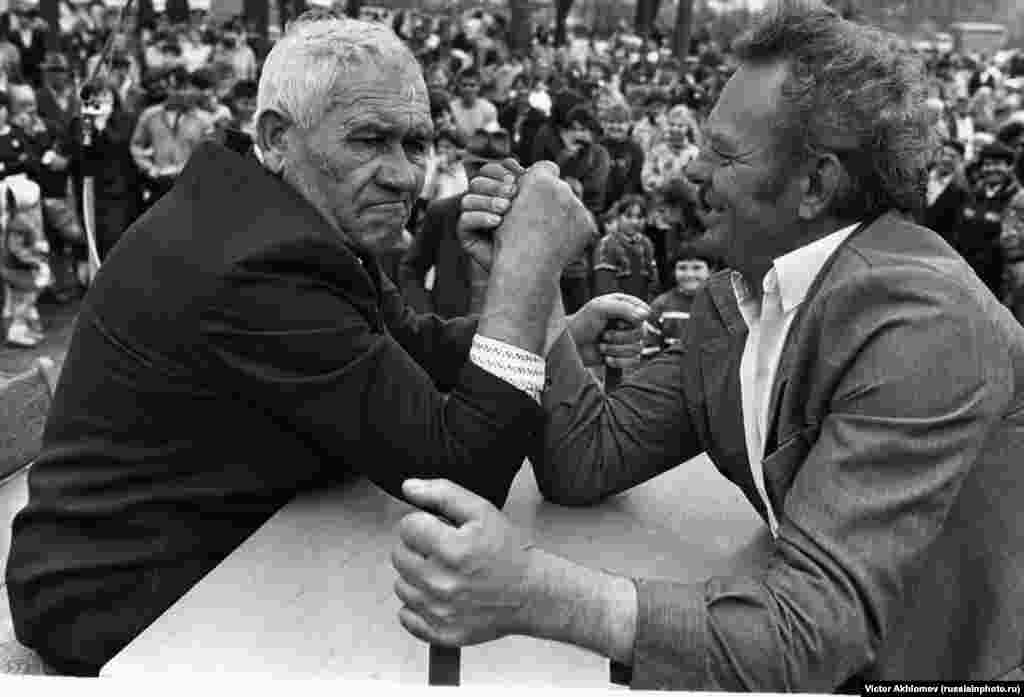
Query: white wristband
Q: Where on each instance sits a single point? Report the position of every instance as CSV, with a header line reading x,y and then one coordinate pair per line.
x,y
519,368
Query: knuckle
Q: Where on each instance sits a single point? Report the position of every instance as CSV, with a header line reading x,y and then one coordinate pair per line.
x,y
443,613
444,588
457,555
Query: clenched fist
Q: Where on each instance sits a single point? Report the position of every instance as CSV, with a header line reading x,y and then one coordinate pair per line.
x,y
546,226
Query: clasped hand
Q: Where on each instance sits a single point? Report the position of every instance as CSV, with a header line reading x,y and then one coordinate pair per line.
x,y
553,224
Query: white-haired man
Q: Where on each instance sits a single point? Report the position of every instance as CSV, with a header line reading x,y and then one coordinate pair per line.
x,y
241,345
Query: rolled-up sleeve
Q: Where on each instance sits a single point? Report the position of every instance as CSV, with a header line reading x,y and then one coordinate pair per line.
x,y
338,376
902,430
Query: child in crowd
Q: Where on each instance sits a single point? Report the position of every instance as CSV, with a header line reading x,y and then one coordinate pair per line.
x,y
24,260
626,155
670,311
668,158
24,263
624,260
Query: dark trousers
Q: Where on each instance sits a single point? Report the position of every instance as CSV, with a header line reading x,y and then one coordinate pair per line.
x,y
113,216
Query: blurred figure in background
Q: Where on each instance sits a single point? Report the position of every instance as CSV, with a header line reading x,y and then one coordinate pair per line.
x,y
164,138
668,159
471,111
241,103
993,185
1011,243
26,30
585,164
668,323
50,165
24,259
448,177
947,190
57,97
233,57
625,174
109,160
624,259
437,275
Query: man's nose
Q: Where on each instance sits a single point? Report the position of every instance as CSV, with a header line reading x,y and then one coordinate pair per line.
x,y
398,172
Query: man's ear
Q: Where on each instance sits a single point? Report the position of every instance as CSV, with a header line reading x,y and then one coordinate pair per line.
x,y
822,183
272,138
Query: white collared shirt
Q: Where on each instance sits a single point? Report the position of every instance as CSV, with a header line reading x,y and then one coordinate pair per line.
x,y
785,287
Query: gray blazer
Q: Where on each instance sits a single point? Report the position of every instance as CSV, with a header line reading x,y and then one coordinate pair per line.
x,y
894,448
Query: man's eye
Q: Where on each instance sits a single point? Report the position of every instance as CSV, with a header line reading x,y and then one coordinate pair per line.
x,y
416,147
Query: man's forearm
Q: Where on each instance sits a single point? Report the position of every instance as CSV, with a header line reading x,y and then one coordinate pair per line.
x,y
557,324
574,604
518,310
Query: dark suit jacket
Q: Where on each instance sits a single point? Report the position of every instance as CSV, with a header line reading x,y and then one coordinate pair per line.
x,y
894,465
32,54
437,244
56,117
232,352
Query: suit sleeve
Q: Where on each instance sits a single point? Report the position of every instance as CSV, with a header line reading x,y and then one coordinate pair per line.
x,y
901,431
596,444
287,332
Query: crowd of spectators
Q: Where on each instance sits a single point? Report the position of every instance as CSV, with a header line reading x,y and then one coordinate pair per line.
x,y
974,199
620,115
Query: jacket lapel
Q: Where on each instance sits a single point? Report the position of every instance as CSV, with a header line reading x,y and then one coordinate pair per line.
x,y
721,348
789,350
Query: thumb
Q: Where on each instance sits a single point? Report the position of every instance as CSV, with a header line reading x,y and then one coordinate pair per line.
x,y
544,165
440,496
513,166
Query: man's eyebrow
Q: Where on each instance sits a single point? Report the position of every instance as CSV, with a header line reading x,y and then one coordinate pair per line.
x,y
419,130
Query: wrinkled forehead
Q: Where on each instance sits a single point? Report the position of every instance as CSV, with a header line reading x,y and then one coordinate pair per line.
x,y
387,91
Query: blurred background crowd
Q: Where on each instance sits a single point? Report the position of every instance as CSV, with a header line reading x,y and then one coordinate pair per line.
x,y
618,104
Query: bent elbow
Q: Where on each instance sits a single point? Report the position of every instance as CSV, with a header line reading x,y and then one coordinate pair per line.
x,y
561,480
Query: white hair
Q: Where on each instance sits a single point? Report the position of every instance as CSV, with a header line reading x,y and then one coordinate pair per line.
x,y
319,49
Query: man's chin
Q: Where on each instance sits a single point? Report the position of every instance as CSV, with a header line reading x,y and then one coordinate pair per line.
x,y
383,234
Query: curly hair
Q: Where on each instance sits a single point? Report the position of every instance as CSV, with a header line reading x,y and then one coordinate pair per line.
x,y
854,91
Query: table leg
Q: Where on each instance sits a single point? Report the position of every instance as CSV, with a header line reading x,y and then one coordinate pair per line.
x,y
445,664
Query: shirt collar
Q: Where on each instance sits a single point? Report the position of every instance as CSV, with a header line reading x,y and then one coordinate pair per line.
x,y
793,272
797,270
745,299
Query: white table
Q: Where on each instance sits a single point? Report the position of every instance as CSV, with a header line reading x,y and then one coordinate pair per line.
x,y
310,593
